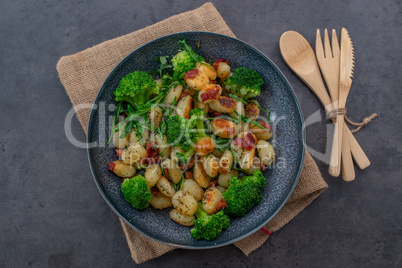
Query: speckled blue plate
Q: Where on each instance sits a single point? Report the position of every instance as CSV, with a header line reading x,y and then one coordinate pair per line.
x,y
288,141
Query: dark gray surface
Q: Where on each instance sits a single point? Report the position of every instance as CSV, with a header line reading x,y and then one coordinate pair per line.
x,y
51,211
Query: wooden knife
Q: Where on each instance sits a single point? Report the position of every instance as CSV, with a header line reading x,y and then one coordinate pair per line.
x,y
345,82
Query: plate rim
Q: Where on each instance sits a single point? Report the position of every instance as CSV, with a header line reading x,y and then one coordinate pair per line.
x,y
232,240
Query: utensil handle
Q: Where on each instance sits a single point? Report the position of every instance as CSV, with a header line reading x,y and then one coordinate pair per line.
x,y
348,170
358,154
335,161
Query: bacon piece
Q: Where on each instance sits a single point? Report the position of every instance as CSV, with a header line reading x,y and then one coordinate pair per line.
x,y
266,125
111,166
216,63
212,81
150,160
191,74
214,114
184,94
248,142
189,175
154,190
119,152
262,166
221,204
213,184
210,94
151,150
165,170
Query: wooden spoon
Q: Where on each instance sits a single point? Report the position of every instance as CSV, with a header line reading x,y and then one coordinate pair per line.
x,y
300,57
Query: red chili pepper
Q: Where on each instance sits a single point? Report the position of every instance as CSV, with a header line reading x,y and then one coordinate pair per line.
x,y
266,231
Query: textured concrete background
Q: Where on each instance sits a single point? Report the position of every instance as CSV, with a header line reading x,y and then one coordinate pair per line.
x,y
51,211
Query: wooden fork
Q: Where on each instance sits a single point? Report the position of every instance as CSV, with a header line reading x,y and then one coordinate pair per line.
x,y
329,62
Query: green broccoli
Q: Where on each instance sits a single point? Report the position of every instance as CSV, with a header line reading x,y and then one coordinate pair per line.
x,y
136,192
185,60
177,132
245,83
195,128
243,194
136,88
209,227
184,158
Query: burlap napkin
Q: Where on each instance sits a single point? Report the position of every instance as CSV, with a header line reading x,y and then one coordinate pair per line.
x,y
82,75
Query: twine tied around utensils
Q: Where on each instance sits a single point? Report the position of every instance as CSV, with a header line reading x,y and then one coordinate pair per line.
x,y
342,111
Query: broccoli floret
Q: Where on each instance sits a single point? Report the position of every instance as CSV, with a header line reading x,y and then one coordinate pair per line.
x,y
185,60
245,83
196,129
243,194
185,157
209,227
177,132
136,192
136,88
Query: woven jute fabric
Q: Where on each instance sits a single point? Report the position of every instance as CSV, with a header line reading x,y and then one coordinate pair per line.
x,y
82,75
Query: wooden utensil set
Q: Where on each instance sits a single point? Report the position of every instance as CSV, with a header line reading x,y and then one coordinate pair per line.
x,y
336,64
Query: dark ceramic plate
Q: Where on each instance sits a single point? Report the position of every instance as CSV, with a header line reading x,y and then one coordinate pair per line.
x,y
288,141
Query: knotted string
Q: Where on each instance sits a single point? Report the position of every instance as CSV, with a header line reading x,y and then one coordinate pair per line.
x,y
342,111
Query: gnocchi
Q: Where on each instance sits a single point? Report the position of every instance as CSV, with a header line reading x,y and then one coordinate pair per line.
x,y
165,187
152,174
266,152
181,219
226,162
224,128
184,203
160,201
211,165
200,176
211,199
173,94
133,154
191,187
223,179
121,169
252,110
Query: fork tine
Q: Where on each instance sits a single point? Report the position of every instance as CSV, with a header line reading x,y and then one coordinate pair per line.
x,y
327,45
335,44
319,50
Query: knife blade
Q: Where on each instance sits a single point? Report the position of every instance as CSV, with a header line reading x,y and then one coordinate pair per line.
x,y
347,64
